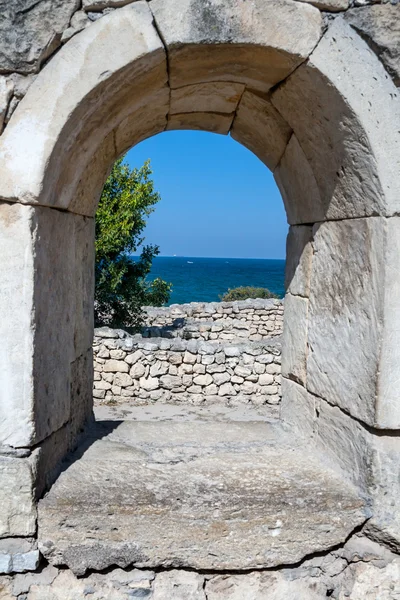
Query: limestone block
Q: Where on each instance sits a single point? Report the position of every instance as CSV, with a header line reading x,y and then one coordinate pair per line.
x,y
220,378
166,520
6,92
298,408
39,250
84,283
203,380
220,97
213,122
18,555
133,358
298,186
261,43
145,121
298,260
26,42
226,389
99,5
179,585
88,189
384,526
354,320
329,5
123,379
341,106
137,370
380,25
80,98
294,338
260,128
263,586
169,382
372,581
115,366
79,21
346,443
16,334
266,379
18,511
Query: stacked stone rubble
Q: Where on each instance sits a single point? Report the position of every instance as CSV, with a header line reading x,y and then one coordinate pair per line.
x,y
254,320
192,371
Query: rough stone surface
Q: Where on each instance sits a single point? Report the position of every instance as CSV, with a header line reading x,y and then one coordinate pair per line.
x,y
180,585
18,511
360,569
203,121
196,359
6,92
163,516
255,122
99,5
299,253
352,149
220,97
330,5
283,34
352,267
31,32
298,186
379,25
140,59
294,339
18,555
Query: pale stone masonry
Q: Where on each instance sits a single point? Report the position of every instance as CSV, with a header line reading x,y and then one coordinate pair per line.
x,y
312,89
203,353
252,320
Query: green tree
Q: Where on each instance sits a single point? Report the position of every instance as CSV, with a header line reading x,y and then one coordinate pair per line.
x,y
122,289
245,292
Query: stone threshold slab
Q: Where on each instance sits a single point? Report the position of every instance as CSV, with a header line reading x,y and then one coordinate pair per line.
x,y
192,494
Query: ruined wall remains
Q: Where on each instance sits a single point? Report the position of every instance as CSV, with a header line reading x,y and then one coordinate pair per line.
x,y
252,320
204,352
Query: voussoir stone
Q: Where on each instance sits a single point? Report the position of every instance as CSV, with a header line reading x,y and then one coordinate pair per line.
x,y
299,260
261,42
220,97
259,127
380,26
30,32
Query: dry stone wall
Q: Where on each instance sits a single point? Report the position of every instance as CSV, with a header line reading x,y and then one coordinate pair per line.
x,y
253,320
226,358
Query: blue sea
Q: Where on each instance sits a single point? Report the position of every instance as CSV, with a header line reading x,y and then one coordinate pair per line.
x,y
205,279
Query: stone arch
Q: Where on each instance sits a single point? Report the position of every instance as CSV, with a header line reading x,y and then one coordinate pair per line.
x,y
314,103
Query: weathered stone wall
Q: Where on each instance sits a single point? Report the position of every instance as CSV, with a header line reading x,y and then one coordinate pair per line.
x,y
361,570
198,352
252,320
130,368
314,95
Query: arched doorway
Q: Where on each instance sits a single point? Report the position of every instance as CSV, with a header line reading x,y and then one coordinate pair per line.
x,y
316,106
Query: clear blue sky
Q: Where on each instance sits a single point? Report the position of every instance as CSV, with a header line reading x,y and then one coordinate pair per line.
x,y
217,198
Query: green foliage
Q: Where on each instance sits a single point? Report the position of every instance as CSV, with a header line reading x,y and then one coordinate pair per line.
x,y
245,292
121,291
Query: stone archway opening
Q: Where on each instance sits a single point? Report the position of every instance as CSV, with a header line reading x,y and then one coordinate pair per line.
x,y
206,184
305,100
